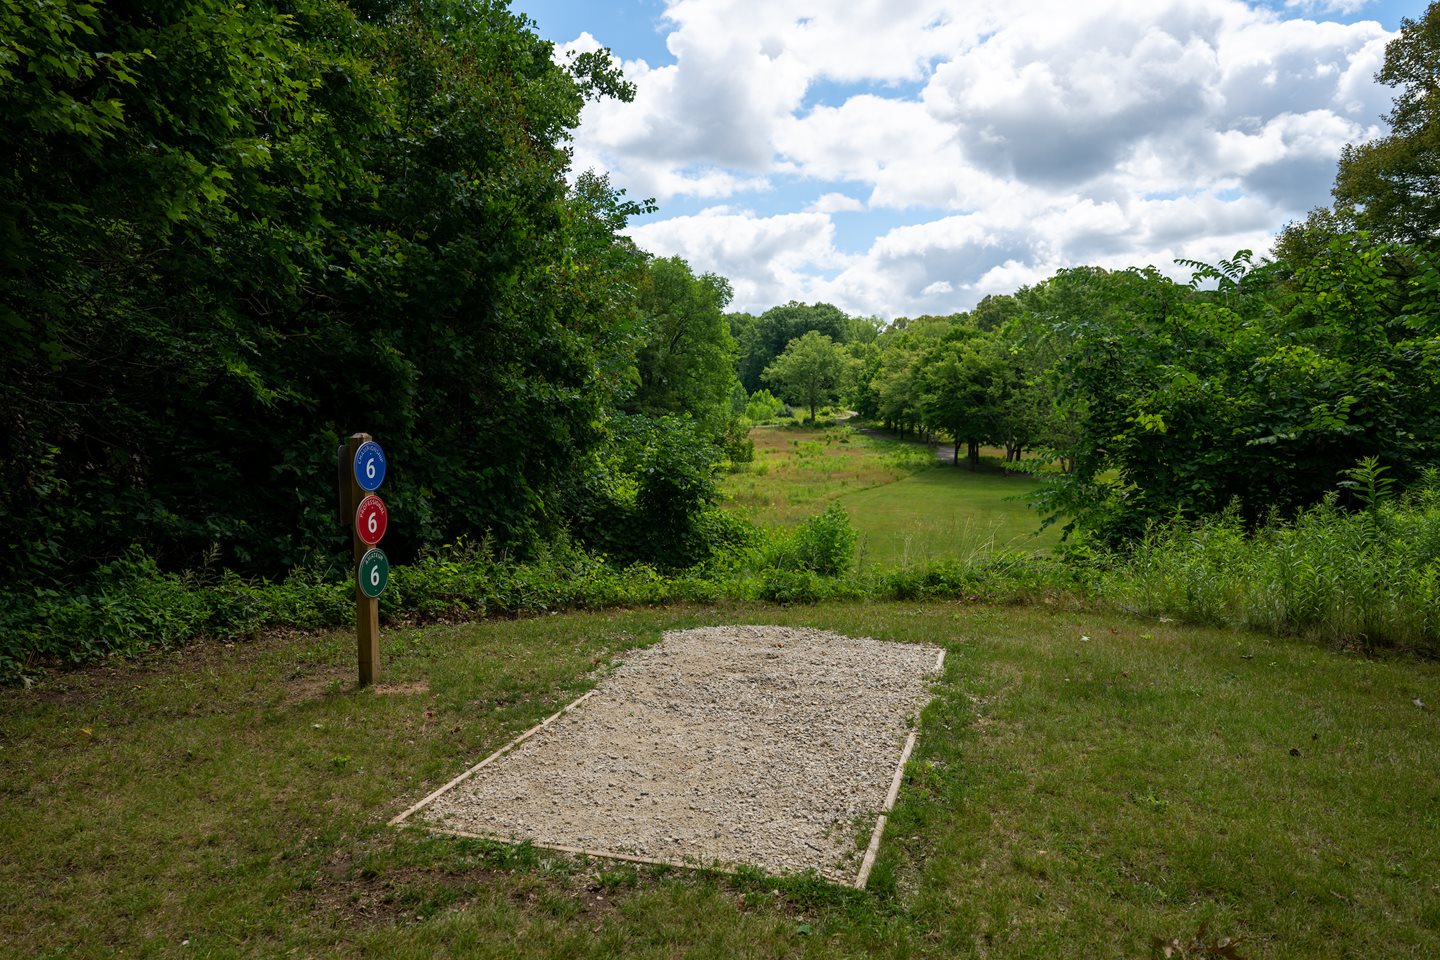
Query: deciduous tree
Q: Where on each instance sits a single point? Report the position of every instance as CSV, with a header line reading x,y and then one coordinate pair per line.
x,y
809,371
686,359
1391,185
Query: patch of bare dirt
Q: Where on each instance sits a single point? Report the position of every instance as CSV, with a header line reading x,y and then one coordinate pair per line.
x,y
415,688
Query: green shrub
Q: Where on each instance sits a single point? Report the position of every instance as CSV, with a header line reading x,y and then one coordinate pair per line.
x,y
824,544
1370,577
762,405
653,498
735,442
127,607
791,586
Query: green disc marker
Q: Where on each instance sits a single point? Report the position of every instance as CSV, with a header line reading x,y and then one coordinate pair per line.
x,y
374,572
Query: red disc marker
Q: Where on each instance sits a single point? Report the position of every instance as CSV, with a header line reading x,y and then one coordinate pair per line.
x,y
371,518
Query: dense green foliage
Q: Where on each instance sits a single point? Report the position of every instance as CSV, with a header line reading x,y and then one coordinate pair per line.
x,y
1369,578
686,360
234,234
1257,393
964,384
651,497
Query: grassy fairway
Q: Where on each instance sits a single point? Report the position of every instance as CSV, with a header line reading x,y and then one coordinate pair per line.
x,y
905,508
799,470
946,512
1082,784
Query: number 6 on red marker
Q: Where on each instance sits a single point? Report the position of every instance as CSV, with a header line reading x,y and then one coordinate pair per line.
x,y
371,519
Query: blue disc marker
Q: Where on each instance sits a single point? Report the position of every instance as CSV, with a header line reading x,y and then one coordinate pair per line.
x,y
369,465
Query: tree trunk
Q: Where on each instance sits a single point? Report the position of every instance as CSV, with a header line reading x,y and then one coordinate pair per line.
x,y
957,451
972,450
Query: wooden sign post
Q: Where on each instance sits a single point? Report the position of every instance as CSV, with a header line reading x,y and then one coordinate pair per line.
x,y
361,470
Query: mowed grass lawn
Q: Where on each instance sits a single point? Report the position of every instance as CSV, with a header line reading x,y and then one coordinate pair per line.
x,y
946,512
1082,784
904,507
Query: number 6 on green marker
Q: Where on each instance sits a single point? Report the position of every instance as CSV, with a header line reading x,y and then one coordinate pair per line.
x,y
374,572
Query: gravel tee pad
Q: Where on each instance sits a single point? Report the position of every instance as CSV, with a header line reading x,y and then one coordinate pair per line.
x,y
720,746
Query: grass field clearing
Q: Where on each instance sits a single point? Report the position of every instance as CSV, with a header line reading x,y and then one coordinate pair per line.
x,y
1082,783
946,512
797,471
904,507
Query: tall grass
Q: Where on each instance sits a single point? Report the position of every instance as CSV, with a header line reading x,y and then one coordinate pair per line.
x,y
797,471
1369,577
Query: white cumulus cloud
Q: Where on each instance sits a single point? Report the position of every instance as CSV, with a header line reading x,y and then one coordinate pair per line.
x,y
1008,137
768,260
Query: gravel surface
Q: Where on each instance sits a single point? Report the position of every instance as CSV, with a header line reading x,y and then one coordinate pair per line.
x,y
768,746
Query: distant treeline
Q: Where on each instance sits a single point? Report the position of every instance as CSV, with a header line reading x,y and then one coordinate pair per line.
x,y
1151,400
1254,386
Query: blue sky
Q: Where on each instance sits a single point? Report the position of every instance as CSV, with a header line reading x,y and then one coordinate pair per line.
x,y
898,157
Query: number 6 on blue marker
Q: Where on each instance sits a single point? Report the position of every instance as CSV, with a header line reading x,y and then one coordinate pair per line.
x,y
369,465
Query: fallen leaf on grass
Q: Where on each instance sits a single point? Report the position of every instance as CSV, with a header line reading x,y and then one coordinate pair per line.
x,y
1198,948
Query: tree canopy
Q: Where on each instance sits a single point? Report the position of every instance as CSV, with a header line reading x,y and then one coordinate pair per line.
x,y
1391,185
761,339
236,233
686,358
